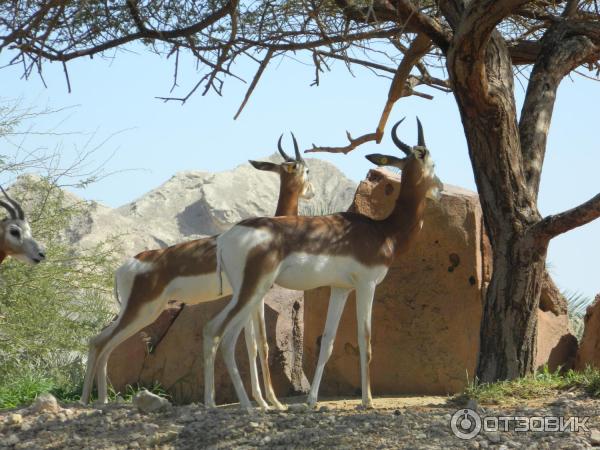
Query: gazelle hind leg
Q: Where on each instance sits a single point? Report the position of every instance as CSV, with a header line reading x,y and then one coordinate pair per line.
x,y
229,339
90,371
251,346
102,345
210,344
364,304
96,344
263,352
249,296
337,301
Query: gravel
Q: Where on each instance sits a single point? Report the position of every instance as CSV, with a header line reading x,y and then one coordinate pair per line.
x,y
395,423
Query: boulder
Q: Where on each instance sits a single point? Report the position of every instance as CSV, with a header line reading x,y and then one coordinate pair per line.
x,y
427,311
589,347
148,402
175,358
45,403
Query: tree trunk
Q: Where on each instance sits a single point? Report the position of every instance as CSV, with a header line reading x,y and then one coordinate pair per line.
x,y
509,322
484,94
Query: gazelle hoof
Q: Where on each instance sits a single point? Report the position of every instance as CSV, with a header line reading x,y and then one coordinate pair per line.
x,y
363,406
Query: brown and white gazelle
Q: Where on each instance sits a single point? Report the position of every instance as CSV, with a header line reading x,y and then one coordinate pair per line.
x,y
15,235
345,251
187,272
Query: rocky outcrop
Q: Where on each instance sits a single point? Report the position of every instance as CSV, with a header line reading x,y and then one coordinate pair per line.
x,y
169,352
193,204
427,312
589,347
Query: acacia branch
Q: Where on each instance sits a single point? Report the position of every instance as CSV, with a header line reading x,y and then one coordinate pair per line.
x,y
259,72
561,53
552,226
398,88
346,149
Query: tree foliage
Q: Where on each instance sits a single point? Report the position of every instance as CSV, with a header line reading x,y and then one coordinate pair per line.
x,y
50,310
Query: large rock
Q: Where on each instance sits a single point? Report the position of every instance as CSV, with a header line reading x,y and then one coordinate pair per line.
x,y
427,312
193,204
589,348
172,355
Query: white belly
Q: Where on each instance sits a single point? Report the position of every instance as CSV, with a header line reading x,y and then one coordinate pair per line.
x,y
301,271
198,288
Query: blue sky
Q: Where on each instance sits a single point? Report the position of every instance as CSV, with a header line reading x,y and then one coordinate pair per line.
x,y
115,98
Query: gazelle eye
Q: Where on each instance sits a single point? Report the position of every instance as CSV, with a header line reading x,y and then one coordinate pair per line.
x,y
16,233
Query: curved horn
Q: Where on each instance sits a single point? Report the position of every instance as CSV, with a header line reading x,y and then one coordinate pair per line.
x,y
407,149
421,141
296,149
284,154
9,208
17,208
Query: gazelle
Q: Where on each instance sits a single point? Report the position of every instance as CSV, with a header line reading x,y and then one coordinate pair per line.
x,y
15,235
187,272
345,251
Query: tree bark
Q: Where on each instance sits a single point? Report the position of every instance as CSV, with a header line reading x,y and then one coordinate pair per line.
x,y
484,92
507,160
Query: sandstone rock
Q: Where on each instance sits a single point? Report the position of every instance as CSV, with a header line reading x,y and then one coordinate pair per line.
x,y
589,348
176,361
426,313
148,402
45,403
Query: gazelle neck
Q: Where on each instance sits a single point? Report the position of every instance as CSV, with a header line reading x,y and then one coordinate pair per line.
x,y
406,219
3,256
287,205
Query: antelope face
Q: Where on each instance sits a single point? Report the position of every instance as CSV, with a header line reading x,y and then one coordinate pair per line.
x,y
417,167
17,242
293,172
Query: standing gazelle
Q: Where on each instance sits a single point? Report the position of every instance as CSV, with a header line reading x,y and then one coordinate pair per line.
x,y
345,251
187,272
15,235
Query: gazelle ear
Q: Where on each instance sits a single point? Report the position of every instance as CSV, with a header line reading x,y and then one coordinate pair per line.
x,y
265,165
386,160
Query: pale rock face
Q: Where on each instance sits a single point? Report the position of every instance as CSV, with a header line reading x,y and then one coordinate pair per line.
x,y
589,348
193,204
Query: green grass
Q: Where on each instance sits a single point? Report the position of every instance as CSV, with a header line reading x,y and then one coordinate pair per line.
x,y
540,385
23,391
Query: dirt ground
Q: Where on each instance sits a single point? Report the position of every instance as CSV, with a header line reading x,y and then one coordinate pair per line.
x,y
396,422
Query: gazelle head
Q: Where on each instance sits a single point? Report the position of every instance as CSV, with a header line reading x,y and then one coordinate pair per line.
x,y
417,167
15,234
293,172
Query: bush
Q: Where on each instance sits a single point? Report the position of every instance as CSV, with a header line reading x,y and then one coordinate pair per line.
x,y
49,311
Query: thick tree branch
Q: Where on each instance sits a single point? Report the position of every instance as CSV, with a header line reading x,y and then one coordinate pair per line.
x,y
418,48
402,12
471,39
561,53
398,88
556,224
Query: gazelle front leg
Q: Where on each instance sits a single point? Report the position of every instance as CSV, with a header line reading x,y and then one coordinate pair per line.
x,y
364,304
337,301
